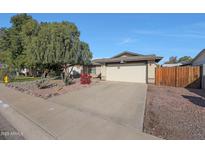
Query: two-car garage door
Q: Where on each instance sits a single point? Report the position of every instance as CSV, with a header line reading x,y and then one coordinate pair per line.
x,y
126,72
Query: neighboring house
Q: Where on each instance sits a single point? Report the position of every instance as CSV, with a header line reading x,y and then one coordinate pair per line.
x,y
177,64
24,71
199,59
128,67
76,70
172,65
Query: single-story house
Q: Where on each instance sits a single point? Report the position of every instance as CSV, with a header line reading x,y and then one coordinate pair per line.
x,y
199,60
128,67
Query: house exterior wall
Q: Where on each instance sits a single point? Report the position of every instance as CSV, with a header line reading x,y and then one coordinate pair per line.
x,y
151,65
200,60
103,71
98,70
203,77
95,71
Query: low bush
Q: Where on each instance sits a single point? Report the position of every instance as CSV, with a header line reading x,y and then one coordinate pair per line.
x,y
85,78
45,83
68,81
24,78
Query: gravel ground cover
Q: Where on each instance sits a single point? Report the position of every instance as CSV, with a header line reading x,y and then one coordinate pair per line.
x,y
30,87
175,113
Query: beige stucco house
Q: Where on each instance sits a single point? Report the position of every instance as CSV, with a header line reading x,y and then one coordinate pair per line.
x,y
199,60
127,67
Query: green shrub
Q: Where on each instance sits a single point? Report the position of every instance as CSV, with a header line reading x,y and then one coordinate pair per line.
x,y
45,83
24,78
2,73
52,74
68,80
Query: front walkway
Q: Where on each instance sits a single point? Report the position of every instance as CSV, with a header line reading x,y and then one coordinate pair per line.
x,y
40,119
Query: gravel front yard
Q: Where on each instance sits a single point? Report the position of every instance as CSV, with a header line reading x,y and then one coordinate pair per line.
x,y
175,113
31,88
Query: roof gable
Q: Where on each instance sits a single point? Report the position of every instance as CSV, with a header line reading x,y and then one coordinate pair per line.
x,y
128,59
126,54
199,58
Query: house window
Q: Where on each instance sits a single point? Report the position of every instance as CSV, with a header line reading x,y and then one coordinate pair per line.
x,y
93,70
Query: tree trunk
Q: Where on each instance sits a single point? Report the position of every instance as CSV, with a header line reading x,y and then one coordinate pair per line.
x,y
67,74
30,72
71,71
45,73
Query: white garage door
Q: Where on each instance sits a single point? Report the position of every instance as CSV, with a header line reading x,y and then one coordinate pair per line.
x,y
126,72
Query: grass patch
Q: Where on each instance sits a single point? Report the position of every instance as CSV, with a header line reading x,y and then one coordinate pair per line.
x,y
24,78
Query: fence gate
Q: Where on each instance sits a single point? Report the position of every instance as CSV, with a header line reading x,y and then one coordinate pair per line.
x,y
187,76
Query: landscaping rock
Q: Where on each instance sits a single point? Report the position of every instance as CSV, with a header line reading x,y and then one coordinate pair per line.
x,y
50,88
175,113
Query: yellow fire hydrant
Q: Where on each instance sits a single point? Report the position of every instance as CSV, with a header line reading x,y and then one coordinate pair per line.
x,y
6,79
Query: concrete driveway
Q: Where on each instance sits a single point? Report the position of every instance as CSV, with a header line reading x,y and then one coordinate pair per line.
x,y
120,102
108,110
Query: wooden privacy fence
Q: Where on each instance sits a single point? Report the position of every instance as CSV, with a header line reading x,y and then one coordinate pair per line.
x,y
187,76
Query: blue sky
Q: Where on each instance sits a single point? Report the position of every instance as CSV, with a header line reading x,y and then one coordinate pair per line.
x,y
108,34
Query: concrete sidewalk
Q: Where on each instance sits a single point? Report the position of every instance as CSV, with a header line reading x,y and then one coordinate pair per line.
x,y
40,119
7,131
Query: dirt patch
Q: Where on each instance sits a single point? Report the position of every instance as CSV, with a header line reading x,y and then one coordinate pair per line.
x,y
175,113
31,87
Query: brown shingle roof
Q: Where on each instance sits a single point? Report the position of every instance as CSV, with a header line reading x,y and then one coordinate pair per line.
x,y
128,59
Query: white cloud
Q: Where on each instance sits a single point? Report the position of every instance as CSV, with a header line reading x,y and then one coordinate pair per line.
x,y
148,32
187,33
128,40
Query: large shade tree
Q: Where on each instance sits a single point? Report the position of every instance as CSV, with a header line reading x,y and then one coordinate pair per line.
x,y
1,32
30,44
185,59
58,44
173,59
15,40
1,36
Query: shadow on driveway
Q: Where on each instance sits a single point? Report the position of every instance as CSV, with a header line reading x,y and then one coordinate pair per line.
x,y
200,92
196,100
